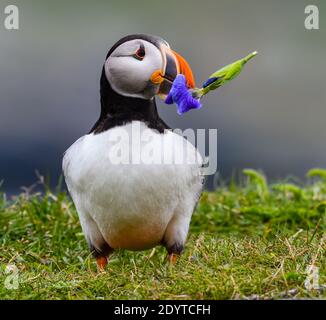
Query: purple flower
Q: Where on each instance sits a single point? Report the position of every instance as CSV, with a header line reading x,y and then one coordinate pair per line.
x,y
180,95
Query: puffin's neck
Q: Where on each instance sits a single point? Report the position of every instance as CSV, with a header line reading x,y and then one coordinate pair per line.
x,y
118,110
114,104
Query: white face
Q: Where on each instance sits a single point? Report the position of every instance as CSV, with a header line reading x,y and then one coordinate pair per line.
x,y
130,66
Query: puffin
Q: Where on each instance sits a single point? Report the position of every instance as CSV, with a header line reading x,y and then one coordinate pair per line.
x,y
134,181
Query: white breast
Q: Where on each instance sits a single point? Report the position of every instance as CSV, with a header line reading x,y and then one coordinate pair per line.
x,y
131,204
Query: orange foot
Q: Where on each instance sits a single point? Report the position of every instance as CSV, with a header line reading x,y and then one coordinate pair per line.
x,y
101,262
173,258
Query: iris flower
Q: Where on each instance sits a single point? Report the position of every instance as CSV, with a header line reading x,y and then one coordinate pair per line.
x,y
180,95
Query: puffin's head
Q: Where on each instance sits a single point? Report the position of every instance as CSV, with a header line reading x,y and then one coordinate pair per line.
x,y
142,66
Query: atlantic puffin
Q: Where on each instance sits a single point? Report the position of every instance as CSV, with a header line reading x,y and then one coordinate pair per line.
x,y
127,205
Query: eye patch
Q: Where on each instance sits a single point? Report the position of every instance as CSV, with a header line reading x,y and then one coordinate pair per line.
x,y
140,53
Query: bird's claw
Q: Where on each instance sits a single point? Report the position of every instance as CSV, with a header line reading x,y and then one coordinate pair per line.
x,y
173,258
101,262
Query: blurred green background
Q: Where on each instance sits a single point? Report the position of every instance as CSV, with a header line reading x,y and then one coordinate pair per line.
x,y
272,117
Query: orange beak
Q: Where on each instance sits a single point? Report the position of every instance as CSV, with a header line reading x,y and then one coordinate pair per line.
x,y
185,69
173,64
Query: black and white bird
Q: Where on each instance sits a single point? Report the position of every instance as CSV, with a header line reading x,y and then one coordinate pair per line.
x,y
131,204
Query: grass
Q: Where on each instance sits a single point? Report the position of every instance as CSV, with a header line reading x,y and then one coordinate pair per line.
x,y
250,240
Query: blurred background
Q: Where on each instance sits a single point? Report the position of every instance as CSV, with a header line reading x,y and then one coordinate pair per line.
x,y
272,117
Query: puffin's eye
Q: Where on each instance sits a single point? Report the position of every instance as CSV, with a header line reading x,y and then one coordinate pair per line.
x,y
140,53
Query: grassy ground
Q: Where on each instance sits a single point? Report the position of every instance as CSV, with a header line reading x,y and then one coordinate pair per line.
x,y
249,241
